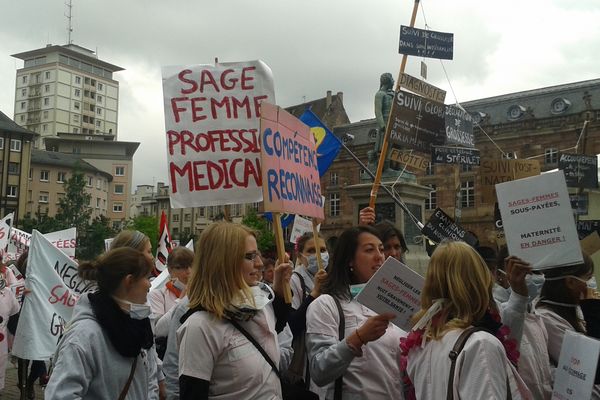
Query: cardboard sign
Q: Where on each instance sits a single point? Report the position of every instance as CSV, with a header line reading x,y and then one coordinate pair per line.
x,y
493,172
395,288
576,369
586,227
417,123
409,159
290,170
64,240
538,221
440,226
212,120
422,88
580,170
591,243
455,155
459,127
301,226
579,203
55,288
425,43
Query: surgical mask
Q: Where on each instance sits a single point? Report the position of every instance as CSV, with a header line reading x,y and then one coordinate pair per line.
x,y
591,283
534,284
178,284
313,266
356,289
136,311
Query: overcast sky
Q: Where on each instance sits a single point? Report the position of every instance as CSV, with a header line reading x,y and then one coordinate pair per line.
x,y
311,46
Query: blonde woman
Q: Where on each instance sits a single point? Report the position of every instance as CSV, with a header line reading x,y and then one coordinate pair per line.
x,y
458,295
216,358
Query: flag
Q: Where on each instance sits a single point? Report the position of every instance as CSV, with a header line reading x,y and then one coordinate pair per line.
x,y
163,247
327,145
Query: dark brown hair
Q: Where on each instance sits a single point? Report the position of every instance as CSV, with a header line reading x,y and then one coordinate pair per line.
x,y
180,257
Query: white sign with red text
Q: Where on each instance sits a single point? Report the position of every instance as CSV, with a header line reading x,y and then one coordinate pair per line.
x,y
65,240
55,287
576,369
5,227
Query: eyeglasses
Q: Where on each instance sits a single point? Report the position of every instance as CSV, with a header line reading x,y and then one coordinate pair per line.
x,y
251,256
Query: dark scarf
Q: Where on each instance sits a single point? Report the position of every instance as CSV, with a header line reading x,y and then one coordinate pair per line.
x,y
128,335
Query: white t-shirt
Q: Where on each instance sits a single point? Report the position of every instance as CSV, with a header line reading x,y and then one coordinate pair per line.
x,y
481,369
161,300
215,351
375,375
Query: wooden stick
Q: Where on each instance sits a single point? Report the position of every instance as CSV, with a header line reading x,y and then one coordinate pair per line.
x,y
388,127
278,230
316,240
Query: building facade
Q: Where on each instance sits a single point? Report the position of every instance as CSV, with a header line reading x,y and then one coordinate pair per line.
x,y
66,89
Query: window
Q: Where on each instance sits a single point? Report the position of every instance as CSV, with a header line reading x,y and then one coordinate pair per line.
x,y
467,193
22,118
431,201
77,149
201,211
30,173
45,128
175,231
61,177
120,171
1,142
77,93
98,123
24,79
334,204
100,86
75,130
45,115
333,178
99,99
76,105
97,202
43,197
15,145
75,117
117,207
44,174
59,197
78,80
46,101
23,92
90,181
511,155
188,217
46,88
11,191
175,217
119,189
466,167
47,75
98,183
99,111
551,156
13,168
23,105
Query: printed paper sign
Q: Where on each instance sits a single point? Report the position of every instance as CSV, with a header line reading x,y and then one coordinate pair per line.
x,y
422,88
55,288
65,240
409,159
576,370
301,226
417,123
212,131
426,43
493,172
455,155
395,288
538,220
459,127
580,170
440,226
290,170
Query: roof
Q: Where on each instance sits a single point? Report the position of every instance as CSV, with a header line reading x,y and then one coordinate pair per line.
x,y
65,160
69,50
330,110
131,147
8,125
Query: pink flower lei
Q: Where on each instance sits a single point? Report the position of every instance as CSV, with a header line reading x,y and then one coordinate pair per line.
x,y
414,338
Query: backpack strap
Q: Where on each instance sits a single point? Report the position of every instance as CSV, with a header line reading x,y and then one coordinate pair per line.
x,y
302,284
458,346
337,391
128,383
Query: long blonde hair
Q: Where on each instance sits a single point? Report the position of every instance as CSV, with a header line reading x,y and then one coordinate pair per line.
x,y
216,277
457,273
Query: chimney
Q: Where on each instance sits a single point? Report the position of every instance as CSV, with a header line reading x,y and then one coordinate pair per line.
x,y
340,96
328,100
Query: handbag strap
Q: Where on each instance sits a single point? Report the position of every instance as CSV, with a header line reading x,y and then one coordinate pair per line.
x,y
337,391
302,284
258,346
128,383
458,346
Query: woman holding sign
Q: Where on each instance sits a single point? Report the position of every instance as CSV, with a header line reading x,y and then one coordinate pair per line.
x,y
458,339
106,353
352,350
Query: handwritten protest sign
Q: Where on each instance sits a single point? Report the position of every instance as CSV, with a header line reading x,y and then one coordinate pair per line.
x,y
493,172
65,240
538,220
580,170
459,127
576,369
301,226
426,43
289,164
394,288
422,88
440,226
409,159
455,155
212,120
586,227
55,288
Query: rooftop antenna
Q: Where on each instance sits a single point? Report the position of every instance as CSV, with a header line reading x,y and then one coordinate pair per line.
x,y
69,16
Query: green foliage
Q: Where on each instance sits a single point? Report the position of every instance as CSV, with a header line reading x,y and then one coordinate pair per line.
x,y
266,239
92,243
41,222
148,225
74,208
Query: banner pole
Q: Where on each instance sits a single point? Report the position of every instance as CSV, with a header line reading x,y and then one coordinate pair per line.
x,y
278,230
388,126
316,240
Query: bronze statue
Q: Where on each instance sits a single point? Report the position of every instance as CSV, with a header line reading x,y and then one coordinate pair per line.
x,y
383,104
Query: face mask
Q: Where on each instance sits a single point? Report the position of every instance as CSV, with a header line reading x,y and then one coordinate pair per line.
x,y
178,284
137,311
592,283
356,289
313,267
534,284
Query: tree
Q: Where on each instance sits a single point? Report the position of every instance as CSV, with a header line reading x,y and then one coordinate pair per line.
x,y
92,243
74,208
266,239
42,222
148,225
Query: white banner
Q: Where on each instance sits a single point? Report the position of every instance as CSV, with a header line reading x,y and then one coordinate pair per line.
x,y
212,131
576,370
538,220
65,240
55,287
395,288
5,226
